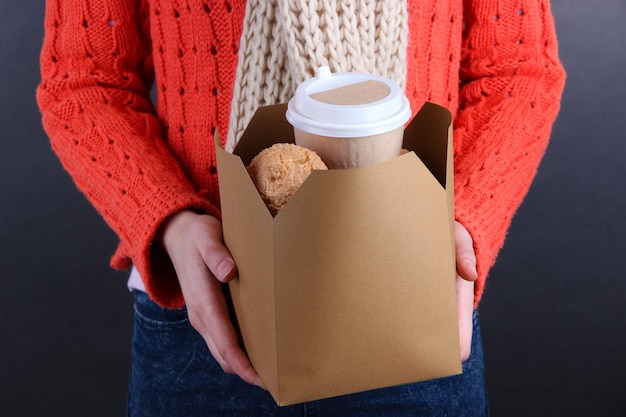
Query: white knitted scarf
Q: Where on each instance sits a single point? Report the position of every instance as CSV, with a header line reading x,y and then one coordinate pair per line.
x,y
285,41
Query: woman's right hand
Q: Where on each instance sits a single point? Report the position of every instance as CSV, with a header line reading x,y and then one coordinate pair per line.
x,y
202,263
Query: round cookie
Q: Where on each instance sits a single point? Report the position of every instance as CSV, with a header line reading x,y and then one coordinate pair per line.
x,y
278,172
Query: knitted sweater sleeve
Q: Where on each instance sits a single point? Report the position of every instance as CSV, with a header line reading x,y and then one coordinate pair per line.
x,y
511,85
95,100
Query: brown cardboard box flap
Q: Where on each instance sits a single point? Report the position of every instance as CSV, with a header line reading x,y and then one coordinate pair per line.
x,y
351,286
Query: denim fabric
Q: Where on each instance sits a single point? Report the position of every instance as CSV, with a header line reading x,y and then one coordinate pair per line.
x,y
173,374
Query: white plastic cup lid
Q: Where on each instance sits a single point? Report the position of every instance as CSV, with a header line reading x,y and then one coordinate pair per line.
x,y
345,121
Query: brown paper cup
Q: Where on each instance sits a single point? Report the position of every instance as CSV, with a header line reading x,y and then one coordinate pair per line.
x,y
342,153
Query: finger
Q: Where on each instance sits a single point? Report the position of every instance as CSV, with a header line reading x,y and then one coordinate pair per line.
x,y
209,315
465,310
215,255
465,255
223,337
194,243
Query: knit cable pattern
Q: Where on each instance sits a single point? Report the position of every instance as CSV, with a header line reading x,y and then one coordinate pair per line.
x,y
493,63
511,85
285,41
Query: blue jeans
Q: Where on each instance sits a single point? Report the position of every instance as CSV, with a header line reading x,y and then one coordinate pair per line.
x,y
173,374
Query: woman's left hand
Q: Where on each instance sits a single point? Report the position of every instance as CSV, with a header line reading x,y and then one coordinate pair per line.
x,y
465,276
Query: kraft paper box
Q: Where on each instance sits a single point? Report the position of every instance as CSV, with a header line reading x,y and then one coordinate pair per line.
x,y
351,287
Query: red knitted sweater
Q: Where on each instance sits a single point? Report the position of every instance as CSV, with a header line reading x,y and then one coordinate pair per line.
x,y
492,63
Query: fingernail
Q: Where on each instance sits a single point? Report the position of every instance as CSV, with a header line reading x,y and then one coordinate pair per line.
x,y
224,269
471,267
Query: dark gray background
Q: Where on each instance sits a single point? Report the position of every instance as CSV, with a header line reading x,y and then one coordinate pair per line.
x,y
553,316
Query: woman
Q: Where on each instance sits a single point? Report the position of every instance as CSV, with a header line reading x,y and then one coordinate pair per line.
x,y
150,169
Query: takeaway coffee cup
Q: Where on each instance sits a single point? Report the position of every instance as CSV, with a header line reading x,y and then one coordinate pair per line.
x,y
350,119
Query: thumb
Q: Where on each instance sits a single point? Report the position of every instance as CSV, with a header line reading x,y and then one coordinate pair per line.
x,y
224,269
465,255
215,255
